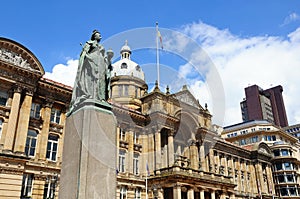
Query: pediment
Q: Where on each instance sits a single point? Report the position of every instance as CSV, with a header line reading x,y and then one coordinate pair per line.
x,y
187,97
17,55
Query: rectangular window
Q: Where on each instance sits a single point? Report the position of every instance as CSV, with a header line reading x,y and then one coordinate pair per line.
x,y
121,161
284,152
55,115
123,193
135,138
49,189
52,147
35,110
31,143
3,98
27,185
292,191
276,153
278,166
288,166
137,193
242,142
136,164
122,135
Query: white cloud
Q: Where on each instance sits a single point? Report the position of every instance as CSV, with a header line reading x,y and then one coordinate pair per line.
x,y
290,18
240,62
264,61
64,73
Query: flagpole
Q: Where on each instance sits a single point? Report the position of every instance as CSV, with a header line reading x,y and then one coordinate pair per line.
x,y
146,187
146,179
157,55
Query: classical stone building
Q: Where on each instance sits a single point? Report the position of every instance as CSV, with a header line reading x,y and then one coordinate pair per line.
x,y
32,118
167,146
284,149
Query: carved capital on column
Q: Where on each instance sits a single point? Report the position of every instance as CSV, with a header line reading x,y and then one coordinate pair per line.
x,y
29,91
48,102
17,88
193,143
171,132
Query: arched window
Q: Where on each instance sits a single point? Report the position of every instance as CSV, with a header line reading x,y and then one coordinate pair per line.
x,y
31,143
52,147
123,65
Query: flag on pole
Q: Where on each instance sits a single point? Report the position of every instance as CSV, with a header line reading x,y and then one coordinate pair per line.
x,y
160,39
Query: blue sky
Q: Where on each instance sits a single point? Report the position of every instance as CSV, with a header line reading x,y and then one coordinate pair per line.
x,y
239,37
53,29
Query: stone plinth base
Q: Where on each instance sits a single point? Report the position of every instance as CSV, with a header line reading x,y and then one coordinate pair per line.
x,y
89,155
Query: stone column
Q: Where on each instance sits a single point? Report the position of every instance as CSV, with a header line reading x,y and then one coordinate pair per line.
x,y
253,180
157,150
212,161
194,155
23,123
177,191
190,193
260,177
270,180
171,148
13,118
144,155
130,150
202,194
46,114
217,163
237,174
202,157
230,168
151,158
213,194
61,138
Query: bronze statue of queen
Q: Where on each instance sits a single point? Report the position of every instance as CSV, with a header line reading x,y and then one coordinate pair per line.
x,y
92,83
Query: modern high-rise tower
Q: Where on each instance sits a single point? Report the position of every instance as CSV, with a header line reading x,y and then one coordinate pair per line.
x,y
262,104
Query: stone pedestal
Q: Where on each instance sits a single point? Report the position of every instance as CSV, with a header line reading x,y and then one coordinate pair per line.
x,y
89,155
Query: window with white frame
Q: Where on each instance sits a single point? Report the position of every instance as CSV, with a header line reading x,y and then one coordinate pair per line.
x,y
49,189
27,181
35,110
122,135
31,141
122,161
55,115
135,137
135,163
123,192
137,193
52,147
3,98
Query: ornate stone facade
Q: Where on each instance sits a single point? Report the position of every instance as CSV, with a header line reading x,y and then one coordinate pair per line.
x,y
167,145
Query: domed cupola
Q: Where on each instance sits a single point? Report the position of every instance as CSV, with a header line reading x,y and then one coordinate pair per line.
x,y
127,80
125,66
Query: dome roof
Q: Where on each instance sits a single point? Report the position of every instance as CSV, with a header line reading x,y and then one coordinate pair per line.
x,y
127,67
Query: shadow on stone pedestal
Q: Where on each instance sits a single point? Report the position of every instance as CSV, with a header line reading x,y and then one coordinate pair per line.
x,y
89,155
